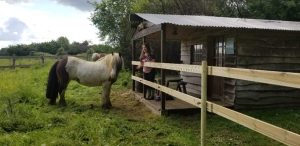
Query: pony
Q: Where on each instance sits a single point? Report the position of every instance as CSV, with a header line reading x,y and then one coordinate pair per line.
x,y
97,56
101,72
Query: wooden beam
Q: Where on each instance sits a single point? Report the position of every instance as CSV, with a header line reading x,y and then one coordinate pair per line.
x,y
172,66
146,32
184,97
287,79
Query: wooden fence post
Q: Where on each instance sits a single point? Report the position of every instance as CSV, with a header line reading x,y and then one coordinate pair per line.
x,y
14,61
43,59
203,101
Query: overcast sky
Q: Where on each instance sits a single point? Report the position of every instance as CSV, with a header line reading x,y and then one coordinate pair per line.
x,y
27,21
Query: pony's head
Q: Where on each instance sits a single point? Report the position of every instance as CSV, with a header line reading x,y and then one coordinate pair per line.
x,y
97,56
117,64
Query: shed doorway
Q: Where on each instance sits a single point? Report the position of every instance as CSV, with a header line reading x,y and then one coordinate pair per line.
x,y
216,53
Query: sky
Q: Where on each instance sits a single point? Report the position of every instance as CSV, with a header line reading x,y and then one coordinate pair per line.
x,y
27,21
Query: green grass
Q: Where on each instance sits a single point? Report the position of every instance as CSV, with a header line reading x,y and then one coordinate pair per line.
x,y
27,119
5,62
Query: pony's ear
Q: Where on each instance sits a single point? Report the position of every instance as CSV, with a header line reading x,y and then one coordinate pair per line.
x,y
112,53
120,54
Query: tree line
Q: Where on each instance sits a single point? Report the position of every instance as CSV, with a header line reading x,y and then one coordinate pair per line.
x,y
60,46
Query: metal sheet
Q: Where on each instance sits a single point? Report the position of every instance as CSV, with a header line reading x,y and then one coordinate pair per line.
x,y
225,22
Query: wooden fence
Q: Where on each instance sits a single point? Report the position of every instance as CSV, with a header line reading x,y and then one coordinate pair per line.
x,y
270,77
41,60
13,61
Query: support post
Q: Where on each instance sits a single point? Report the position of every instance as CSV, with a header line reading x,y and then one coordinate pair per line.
x,y
163,77
132,66
43,59
203,101
14,61
144,88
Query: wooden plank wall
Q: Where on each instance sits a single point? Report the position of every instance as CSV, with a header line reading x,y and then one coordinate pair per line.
x,y
267,51
193,80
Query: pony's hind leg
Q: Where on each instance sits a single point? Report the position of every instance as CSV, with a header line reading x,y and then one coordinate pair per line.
x,y
63,81
52,101
62,100
106,104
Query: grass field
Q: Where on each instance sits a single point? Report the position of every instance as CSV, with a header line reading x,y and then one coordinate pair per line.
x,y
27,119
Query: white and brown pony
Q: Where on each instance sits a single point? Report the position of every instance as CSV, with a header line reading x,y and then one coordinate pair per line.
x,y
97,56
102,72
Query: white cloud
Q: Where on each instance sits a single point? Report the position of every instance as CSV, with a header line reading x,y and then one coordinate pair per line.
x,y
84,5
45,23
15,1
12,30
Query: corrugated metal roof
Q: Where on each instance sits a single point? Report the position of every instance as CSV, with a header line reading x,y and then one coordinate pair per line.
x,y
226,22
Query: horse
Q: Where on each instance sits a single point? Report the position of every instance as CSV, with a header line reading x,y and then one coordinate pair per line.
x,y
97,56
101,72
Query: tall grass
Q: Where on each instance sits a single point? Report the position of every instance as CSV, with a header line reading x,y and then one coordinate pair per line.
x,y
27,119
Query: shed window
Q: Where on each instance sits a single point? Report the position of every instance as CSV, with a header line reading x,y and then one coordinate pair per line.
x,y
229,48
219,51
224,51
197,53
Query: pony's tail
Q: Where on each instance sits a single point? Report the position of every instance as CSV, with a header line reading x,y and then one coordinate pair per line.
x,y
52,85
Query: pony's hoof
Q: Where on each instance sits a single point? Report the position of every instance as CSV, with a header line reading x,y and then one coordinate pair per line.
x,y
52,102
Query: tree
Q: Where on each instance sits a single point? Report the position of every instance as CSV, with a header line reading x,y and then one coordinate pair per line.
x,y
102,48
19,50
48,47
111,17
74,48
60,52
274,9
184,7
84,46
3,52
63,42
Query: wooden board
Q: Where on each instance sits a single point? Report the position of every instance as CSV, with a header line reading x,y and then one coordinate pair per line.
x,y
155,106
287,79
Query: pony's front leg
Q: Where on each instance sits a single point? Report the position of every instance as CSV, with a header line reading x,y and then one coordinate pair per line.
x,y
106,104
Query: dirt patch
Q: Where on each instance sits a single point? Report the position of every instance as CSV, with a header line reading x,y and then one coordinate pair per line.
x,y
125,104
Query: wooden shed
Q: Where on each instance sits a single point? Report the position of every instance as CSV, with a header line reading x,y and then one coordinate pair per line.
x,y
228,42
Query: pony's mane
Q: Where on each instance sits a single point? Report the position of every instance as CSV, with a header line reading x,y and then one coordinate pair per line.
x,y
111,59
115,62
